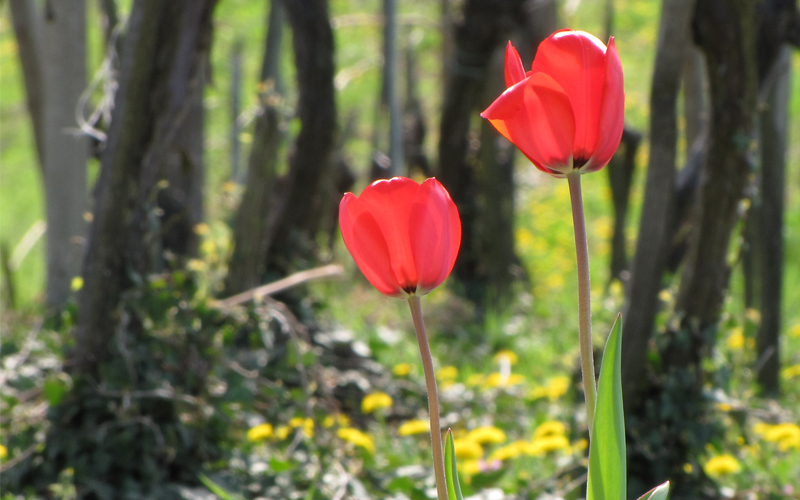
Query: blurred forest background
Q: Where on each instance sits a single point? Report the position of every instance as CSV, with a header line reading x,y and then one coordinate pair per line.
x,y
181,320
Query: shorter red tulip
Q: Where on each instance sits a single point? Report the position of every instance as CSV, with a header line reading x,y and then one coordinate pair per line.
x,y
567,113
403,236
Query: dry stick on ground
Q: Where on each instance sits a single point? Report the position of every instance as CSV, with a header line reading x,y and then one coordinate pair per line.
x,y
281,285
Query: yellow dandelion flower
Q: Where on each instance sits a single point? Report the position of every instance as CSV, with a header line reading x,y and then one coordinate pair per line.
x,y
761,428
508,355
498,379
791,372
557,387
795,330
475,380
201,229
550,428
3,452
412,427
687,468
787,435
283,432
753,315
740,441
580,445
547,444
308,428
736,339
487,434
470,467
76,284
296,422
375,401
356,437
340,419
726,407
196,265
446,384
665,296
722,465
512,451
260,433
447,373
467,449
402,370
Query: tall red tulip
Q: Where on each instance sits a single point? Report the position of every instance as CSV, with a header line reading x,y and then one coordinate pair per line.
x,y
567,112
403,236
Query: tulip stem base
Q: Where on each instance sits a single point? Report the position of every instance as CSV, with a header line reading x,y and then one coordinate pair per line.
x,y
584,295
433,396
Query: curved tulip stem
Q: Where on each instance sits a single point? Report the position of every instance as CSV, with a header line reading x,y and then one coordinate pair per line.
x,y
584,295
433,396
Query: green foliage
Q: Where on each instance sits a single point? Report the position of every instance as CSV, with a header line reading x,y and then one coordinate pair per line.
x,y
607,458
660,492
450,470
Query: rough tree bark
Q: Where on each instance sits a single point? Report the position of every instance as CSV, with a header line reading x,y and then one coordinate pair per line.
x,y
673,416
250,228
65,153
161,64
648,263
294,222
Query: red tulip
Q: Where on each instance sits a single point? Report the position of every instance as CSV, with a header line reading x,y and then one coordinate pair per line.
x,y
403,236
567,113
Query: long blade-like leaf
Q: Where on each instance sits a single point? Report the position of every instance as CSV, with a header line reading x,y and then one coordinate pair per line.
x,y
607,469
660,492
450,472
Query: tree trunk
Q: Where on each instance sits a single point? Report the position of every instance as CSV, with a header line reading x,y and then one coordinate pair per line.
x,y
648,263
295,222
695,99
250,229
773,125
484,25
28,31
65,154
620,175
162,63
391,62
494,174
673,416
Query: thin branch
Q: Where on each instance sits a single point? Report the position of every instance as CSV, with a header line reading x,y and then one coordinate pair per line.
x,y
281,285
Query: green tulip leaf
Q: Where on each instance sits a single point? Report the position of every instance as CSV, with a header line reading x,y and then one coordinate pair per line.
x,y
450,472
660,492
607,469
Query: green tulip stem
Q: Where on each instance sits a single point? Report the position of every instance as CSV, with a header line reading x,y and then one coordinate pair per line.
x,y
584,295
433,396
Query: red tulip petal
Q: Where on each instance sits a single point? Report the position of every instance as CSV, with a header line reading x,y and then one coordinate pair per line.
x,y
576,60
537,117
364,239
390,202
515,71
435,235
612,111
